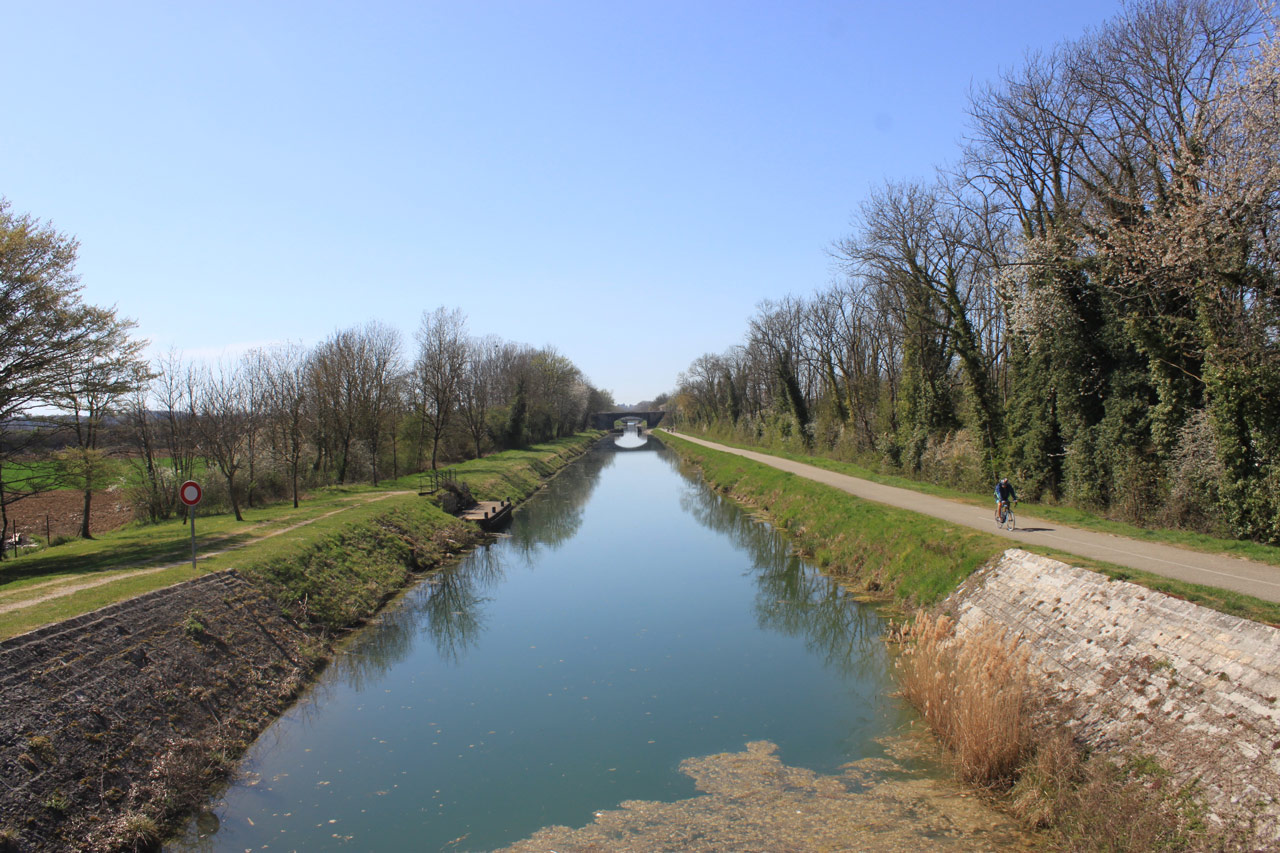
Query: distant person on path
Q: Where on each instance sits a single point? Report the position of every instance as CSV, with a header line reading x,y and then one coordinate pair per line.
x,y
1005,494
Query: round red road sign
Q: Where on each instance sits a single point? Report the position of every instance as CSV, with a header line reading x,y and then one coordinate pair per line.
x,y
190,493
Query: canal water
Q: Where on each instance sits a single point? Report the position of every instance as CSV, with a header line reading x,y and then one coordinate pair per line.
x,y
629,620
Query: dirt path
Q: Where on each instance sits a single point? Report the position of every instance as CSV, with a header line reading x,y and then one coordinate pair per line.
x,y
1233,573
64,588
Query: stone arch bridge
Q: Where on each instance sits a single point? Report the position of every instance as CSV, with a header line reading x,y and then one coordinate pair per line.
x,y
605,420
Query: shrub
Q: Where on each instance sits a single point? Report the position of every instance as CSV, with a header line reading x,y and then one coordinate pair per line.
x,y
954,459
192,624
1194,477
56,802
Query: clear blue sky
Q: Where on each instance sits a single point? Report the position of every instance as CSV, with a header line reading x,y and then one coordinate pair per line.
x,y
623,181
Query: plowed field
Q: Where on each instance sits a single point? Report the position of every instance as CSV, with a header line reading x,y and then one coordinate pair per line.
x,y
63,510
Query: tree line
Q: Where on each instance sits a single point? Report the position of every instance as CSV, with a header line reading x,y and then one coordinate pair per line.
x,y
1087,300
76,389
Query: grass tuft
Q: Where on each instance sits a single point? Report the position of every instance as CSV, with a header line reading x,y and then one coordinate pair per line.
x,y
976,694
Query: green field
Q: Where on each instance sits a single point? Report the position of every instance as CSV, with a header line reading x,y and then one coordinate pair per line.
x,y
42,474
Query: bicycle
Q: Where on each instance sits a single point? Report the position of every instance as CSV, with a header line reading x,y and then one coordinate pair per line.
x,y
1004,516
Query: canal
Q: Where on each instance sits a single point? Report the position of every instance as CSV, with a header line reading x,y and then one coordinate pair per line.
x,y
633,630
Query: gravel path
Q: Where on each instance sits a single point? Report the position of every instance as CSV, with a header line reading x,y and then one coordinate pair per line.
x,y
1219,570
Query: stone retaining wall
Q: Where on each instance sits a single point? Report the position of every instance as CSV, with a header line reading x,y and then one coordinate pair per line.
x,y
120,713
1148,674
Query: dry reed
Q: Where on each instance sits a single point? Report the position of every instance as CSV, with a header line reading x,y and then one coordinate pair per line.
x,y
975,691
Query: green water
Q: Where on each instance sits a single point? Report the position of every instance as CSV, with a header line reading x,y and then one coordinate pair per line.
x,y
631,619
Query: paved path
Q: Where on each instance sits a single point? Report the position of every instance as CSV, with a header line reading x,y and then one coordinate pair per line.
x,y
1256,579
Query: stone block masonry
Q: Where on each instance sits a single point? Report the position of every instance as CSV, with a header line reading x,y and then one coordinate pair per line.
x,y
1143,673
134,709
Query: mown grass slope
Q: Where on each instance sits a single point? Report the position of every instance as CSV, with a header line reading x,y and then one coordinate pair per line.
x,y
915,559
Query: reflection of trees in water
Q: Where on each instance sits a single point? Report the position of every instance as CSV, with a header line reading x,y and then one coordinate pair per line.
x,y
798,600
379,646
794,598
554,516
446,607
454,621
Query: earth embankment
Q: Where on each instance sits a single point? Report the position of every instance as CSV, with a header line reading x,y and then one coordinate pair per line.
x,y
107,715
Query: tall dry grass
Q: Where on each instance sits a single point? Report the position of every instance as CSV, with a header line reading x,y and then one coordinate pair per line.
x,y
976,693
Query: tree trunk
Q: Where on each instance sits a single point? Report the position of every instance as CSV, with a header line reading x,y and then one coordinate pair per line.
x,y
4,515
84,521
231,493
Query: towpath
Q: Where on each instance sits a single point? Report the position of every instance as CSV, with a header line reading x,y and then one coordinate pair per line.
x,y
1252,578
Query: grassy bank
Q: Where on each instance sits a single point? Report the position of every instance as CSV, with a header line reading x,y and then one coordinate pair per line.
x,y
882,532
338,575
335,527
1049,512
911,558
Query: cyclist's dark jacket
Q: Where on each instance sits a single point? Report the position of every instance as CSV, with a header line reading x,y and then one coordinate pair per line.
x,y
1005,492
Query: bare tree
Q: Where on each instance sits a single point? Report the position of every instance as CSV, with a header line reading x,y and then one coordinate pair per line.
x,y
286,391
935,258
778,330
223,425
480,386
351,377
176,391
381,370
254,371
439,372
87,390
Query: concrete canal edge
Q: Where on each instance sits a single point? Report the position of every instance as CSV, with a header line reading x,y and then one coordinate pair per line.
x,y
117,723
1196,689
1139,672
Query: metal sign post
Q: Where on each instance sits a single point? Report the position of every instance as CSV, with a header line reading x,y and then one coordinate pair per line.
x,y
190,493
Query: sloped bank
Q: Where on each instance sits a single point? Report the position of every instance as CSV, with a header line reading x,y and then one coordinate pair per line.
x,y
1139,673
115,723
1197,690
897,555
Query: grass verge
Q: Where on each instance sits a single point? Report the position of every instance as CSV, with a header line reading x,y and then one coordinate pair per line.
x,y
911,558
1072,516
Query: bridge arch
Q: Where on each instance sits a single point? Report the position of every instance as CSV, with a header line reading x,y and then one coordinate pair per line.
x,y
605,420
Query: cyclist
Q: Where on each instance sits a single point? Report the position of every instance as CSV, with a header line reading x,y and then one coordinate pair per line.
x,y
1004,495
